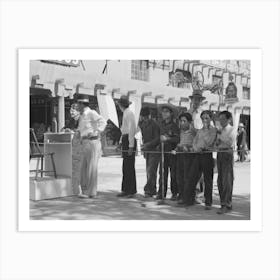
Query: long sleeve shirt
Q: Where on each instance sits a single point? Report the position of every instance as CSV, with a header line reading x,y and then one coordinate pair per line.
x,y
91,122
205,139
150,133
129,126
226,138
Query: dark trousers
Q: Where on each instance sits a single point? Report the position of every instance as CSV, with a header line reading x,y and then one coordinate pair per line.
x,y
169,165
225,177
202,164
183,166
152,162
128,168
241,154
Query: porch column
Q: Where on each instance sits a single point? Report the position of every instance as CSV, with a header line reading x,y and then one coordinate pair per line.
x,y
59,90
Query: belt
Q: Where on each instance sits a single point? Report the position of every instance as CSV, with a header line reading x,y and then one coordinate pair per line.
x,y
90,138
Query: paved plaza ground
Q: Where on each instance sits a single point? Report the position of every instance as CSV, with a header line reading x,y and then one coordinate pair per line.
x,y
108,206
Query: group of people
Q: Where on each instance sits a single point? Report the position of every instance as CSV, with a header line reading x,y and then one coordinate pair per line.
x,y
186,143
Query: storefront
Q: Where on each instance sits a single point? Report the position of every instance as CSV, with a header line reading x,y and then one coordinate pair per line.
x,y
56,84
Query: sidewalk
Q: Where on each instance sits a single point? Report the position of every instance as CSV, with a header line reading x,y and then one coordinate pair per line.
x,y
107,206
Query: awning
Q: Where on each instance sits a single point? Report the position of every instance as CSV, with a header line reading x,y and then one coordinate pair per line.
x,y
71,79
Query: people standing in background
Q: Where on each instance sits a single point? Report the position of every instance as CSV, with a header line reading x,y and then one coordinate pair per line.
x,y
128,145
170,137
225,145
184,160
203,162
73,122
241,143
150,136
91,124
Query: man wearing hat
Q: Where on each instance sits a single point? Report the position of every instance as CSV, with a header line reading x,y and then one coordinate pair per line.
x,y
128,145
241,142
91,124
195,110
170,136
150,133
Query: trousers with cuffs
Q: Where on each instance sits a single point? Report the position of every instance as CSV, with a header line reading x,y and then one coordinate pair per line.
x,y
202,164
225,177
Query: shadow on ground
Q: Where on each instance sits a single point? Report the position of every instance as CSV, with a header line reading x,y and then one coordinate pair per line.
x,y
109,207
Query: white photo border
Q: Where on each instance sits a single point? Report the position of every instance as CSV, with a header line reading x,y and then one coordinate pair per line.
x,y
255,222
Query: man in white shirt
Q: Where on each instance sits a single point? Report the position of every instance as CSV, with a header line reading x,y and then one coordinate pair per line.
x,y
91,124
128,145
195,109
225,144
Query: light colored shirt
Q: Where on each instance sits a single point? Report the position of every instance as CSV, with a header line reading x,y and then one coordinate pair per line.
x,y
187,137
129,126
91,122
204,139
226,138
197,122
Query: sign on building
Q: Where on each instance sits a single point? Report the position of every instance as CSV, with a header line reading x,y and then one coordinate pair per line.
x,y
65,62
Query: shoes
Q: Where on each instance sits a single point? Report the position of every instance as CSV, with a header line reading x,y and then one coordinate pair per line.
x,y
197,201
122,194
83,196
223,210
147,195
207,207
173,197
130,196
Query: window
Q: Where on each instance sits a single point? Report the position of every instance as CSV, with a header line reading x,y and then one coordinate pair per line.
x,y
140,70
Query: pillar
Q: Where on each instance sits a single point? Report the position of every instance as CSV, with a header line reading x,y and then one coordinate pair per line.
x,y
61,113
59,90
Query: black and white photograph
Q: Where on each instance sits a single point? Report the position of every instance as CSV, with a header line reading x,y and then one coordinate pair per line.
x,y
139,139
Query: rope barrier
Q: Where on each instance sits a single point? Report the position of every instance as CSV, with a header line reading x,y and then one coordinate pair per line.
x,y
187,152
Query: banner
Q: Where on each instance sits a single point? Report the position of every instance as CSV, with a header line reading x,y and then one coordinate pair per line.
x,y
107,107
135,106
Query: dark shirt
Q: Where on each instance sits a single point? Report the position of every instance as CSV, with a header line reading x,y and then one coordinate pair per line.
x,y
150,134
172,131
241,138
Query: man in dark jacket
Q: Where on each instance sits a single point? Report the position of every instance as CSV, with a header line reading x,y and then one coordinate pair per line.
x,y
241,142
150,134
170,136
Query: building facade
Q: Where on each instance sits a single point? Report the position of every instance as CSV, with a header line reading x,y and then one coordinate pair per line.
x,y
55,83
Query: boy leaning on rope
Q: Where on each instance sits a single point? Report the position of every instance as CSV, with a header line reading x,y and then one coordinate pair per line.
x,y
184,160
